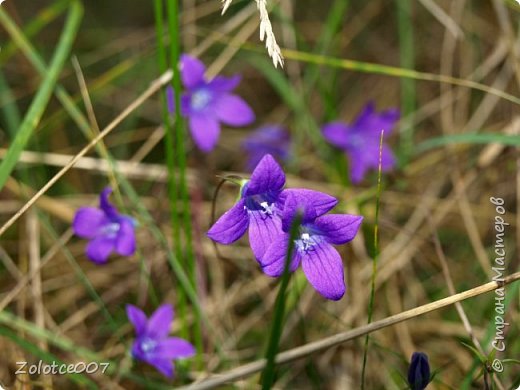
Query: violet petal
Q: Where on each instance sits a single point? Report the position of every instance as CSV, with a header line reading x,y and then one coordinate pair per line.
x,y
159,324
324,269
88,221
233,110
338,228
231,225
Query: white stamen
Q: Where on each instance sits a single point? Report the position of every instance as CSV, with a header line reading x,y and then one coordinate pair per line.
x,y
200,99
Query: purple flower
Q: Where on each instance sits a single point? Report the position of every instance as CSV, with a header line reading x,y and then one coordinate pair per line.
x,y
152,344
360,141
257,209
419,371
107,230
273,140
313,248
206,103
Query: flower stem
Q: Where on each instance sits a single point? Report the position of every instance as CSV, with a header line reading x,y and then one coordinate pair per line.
x,y
376,257
268,375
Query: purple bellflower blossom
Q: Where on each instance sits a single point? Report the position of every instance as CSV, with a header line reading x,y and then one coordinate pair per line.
x,y
259,208
273,140
313,248
152,344
206,103
107,229
419,371
360,140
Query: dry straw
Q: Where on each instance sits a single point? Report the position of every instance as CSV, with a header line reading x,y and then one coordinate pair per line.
x,y
266,31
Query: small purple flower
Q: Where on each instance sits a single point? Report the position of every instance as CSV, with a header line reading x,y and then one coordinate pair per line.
x,y
273,140
313,248
360,141
107,230
257,209
206,103
419,371
152,344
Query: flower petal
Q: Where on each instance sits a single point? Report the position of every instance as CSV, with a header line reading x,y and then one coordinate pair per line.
x,y
339,228
100,248
230,226
320,201
388,160
159,324
358,166
137,318
268,176
170,99
105,205
324,269
233,110
205,131
337,133
222,84
192,71
309,202
125,241
88,221
173,348
164,366
274,259
372,122
263,230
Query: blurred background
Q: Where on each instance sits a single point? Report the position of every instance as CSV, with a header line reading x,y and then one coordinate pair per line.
x,y
450,67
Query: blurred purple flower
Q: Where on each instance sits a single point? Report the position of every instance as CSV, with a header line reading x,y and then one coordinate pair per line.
x,y
273,140
320,261
107,230
152,344
419,371
360,141
206,103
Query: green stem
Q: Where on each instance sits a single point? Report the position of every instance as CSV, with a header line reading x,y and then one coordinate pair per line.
x,y
268,375
406,54
374,263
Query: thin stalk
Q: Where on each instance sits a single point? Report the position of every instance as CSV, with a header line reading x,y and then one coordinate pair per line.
x,y
376,258
268,375
406,54
180,154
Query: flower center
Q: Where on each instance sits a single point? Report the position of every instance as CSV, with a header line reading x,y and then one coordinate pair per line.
x,y
305,242
355,141
268,208
111,229
148,345
200,99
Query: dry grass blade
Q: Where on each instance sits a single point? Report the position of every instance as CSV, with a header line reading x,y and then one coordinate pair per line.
x,y
266,31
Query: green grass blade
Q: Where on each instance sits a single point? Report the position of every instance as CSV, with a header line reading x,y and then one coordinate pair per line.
x,y
374,263
43,95
468,138
406,55
391,71
9,107
42,19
